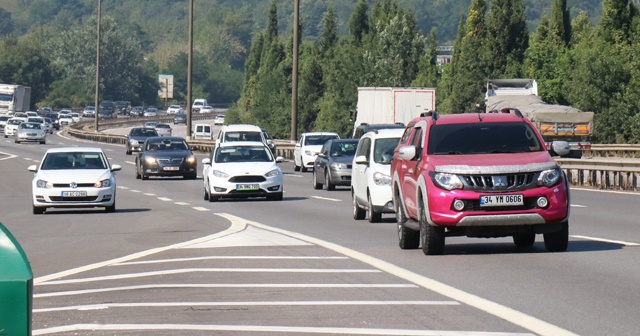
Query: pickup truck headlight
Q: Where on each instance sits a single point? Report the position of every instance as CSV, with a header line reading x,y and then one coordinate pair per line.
x,y
447,181
549,178
381,179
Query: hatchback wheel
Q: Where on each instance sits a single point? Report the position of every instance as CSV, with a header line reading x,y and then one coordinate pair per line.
x,y
38,210
374,216
328,185
314,181
358,212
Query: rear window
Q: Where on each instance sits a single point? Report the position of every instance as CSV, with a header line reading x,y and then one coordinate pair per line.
x,y
483,138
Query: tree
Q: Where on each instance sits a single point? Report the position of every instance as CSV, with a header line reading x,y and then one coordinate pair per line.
x,y
329,36
23,61
560,23
359,22
508,37
428,68
616,20
6,23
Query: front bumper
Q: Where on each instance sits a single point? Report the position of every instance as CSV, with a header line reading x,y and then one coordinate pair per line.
x,y
341,176
160,169
52,198
30,137
220,187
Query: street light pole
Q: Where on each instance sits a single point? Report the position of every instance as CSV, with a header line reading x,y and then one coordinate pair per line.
x,y
294,73
97,94
189,70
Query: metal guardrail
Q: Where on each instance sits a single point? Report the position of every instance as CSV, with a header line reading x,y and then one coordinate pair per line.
x,y
621,173
614,150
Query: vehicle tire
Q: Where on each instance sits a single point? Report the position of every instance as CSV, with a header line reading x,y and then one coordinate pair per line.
x,y
275,197
314,181
524,239
303,169
408,238
38,210
431,237
206,194
111,208
295,165
6,136
128,152
43,142
143,176
138,176
328,185
358,212
374,216
16,141
557,241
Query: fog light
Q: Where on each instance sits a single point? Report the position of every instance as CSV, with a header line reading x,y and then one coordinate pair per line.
x,y
274,188
218,189
458,205
542,202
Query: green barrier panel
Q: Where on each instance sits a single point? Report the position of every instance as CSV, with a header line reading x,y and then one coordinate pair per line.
x,y
16,287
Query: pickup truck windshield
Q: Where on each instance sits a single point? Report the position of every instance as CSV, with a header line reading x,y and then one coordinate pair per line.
x,y
483,138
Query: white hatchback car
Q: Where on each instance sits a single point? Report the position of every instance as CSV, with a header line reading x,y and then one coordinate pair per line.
x,y
242,170
175,109
74,177
370,174
307,148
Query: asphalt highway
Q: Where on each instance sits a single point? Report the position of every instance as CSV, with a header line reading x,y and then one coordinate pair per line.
x,y
168,262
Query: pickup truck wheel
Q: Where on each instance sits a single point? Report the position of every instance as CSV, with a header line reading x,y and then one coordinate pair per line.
x,y
327,181
374,216
315,183
524,239
431,237
408,238
358,212
557,241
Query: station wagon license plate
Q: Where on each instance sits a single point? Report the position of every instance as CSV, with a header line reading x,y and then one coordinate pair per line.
x,y
501,200
74,194
170,168
247,187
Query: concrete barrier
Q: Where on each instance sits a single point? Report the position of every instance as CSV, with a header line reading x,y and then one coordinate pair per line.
x,y
16,287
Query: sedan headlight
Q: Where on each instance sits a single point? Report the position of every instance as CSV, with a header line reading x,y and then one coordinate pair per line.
x,y
150,160
220,174
550,177
191,159
337,165
273,173
381,179
43,184
447,181
103,184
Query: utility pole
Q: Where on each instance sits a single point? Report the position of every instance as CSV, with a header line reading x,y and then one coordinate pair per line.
x,y
189,70
97,95
294,73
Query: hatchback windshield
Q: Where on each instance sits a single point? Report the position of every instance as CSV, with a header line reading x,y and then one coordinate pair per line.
x,y
483,138
149,132
343,148
74,160
243,154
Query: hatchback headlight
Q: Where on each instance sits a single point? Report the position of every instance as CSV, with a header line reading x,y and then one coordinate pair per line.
x,y
219,174
43,184
309,153
337,165
272,173
549,178
381,179
447,181
103,184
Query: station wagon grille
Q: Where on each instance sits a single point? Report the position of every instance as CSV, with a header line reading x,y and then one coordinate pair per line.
x,y
498,182
247,178
171,161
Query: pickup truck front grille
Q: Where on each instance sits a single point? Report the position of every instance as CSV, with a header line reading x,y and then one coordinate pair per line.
x,y
498,182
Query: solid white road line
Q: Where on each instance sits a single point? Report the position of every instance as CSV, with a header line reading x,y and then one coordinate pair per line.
x,y
619,242
326,199
159,261
262,330
235,285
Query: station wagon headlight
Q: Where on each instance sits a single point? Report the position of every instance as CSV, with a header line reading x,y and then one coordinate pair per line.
x,y
381,179
103,184
272,173
219,174
43,184
447,181
337,165
549,178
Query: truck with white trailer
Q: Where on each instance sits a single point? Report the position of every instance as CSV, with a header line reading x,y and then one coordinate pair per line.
x,y
14,98
392,105
554,122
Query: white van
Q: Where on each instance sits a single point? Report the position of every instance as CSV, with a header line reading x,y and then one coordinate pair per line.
x,y
198,104
202,132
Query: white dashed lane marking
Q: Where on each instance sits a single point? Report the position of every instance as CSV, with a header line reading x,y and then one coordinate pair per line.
x,y
326,199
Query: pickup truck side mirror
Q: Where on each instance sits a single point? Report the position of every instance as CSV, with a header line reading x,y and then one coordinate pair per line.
x,y
559,148
407,153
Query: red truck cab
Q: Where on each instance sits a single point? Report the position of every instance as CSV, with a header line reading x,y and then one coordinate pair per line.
x,y
478,175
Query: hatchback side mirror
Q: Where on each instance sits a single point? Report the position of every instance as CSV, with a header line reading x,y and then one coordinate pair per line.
x,y
32,168
361,159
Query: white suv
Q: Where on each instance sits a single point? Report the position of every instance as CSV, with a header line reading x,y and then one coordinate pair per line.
x,y
370,174
308,147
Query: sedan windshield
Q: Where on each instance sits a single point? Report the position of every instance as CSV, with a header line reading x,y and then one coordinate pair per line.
x,y
166,145
30,125
74,160
243,154
483,138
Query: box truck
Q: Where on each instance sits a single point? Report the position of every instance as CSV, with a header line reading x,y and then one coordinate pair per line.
x,y
14,98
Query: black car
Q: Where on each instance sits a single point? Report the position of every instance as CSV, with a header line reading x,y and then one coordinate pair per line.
x,y
180,118
137,136
136,111
54,119
166,156
333,164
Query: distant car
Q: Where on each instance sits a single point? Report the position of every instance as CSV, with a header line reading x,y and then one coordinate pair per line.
x,y
242,169
206,109
50,124
136,111
202,132
174,109
163,129
65,111
89,111
54,119
106,113
34,114
180,118
219,119
332,166
151,124
65,120
76,117
11,126
47,126
166,156
31,131
136,138
307,148
122,107
74,177
150,112
3,121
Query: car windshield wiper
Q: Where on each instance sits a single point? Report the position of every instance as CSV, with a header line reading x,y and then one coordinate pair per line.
x,y
501,151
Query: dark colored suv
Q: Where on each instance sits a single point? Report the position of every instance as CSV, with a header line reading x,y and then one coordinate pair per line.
x,y
478,175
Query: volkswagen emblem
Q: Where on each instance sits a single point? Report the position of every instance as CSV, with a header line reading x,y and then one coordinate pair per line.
x,y
499,181
73,185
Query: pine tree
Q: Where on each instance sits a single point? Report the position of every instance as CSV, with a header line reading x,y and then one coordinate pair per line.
x,y
616,20
359,22
508,36
329,36
428,67
560,23
271,33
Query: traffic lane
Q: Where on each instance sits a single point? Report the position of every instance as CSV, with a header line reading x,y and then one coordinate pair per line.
x,y
300,286
178,130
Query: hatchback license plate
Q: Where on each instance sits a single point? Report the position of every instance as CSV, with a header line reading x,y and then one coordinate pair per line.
x,y
74,194
247,187
501,200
